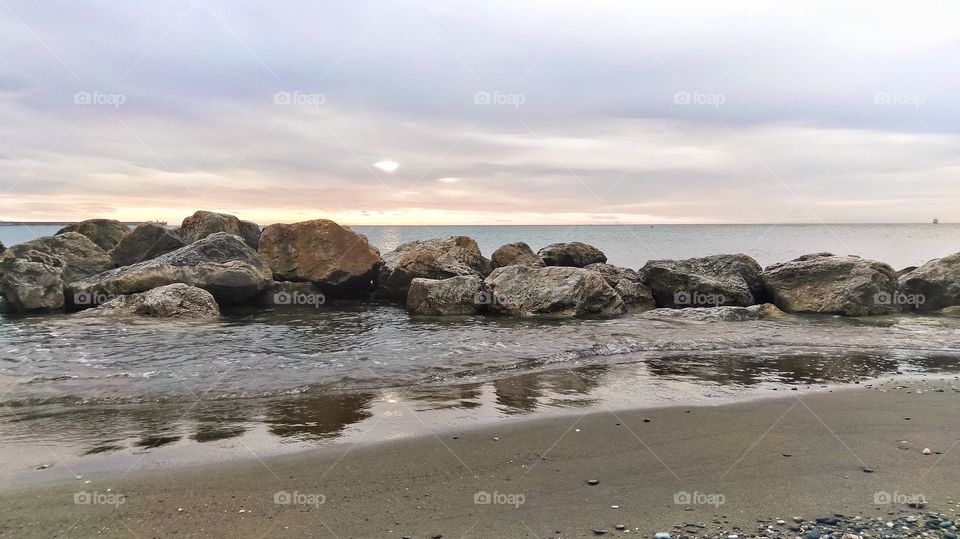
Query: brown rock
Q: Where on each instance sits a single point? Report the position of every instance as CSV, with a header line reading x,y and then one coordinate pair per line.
x,y
515,254
106,233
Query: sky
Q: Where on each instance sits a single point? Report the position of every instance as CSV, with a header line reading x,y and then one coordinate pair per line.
x,y
493,112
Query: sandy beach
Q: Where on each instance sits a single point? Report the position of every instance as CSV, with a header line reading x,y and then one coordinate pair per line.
x,y
805,455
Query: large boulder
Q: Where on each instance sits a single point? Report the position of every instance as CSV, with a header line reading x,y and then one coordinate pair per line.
x,y
830,284
148,240
81,257
460,295
560,292
288,294
204,223
710,281
574,253
934,285
171,301
636,296
221,264
106,233
31,282
335,258
515,254
438,258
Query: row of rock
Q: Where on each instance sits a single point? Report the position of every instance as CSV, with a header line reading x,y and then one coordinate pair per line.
x,y
96,261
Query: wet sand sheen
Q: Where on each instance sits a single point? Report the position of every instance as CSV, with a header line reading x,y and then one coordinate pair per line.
x,y
426,485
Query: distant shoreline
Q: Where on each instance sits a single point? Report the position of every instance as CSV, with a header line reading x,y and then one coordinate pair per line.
x,y
135,223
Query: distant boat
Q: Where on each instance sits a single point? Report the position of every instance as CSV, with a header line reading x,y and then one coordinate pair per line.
x,y
936,221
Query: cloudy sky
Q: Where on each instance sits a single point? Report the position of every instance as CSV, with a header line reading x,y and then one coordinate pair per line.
x,y
486,112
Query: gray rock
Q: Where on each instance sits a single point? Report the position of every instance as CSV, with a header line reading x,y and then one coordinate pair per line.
x,y
716,314
709,281
937,281
31,282
171,301
515,254
147,241
2,247
221,264
106,233
438,258
81,257
636,296
560,292
574,253
289,294
829,284
338,260
204,223
460,295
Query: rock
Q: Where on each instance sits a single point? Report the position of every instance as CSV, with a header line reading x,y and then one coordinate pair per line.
x,y
335,258
2,247
289,294
552,291
906,270
593,482
574,254
662,535
627,282
438,258
460,295
715,314
31,283
926,451
937,281
106,233
221,264
81,257
146,241
515,254
829,284
709,281
204,223
813,534
950,311
171,301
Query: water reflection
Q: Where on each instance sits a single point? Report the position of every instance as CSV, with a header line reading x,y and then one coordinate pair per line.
x,y
316,416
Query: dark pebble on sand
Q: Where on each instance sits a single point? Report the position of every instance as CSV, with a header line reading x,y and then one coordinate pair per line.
x,y
599,532
813,534
831,521
868,470
593,482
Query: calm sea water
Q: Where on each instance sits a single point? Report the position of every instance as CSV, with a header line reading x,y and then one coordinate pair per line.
x,y
899,245
97,394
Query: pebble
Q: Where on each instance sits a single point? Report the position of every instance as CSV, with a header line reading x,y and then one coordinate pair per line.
x,y
661,535
813,534
598,531
593,482
926,451
798,519
781,522
620,527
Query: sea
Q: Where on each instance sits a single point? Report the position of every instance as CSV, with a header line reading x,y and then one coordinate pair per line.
x,y
80,395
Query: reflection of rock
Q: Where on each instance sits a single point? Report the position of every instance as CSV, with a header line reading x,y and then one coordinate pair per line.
x,y
317,416
710,314
106,233
525,393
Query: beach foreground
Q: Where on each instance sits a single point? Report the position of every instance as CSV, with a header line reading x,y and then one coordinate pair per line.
x,y
856,452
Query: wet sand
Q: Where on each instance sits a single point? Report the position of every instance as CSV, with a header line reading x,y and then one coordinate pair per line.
x,y
803,455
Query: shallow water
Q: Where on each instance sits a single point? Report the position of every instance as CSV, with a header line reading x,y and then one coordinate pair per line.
x,y
95,393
